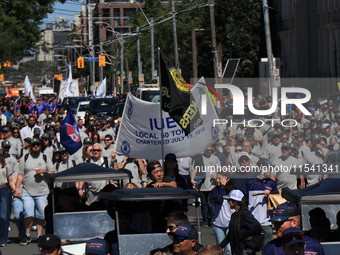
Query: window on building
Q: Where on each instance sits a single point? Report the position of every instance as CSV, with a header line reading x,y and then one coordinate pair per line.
x,y
127,15
116,17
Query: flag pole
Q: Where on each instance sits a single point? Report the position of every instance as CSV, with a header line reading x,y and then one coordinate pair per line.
x,y
161,104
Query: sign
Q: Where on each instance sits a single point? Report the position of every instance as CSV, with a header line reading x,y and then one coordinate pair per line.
x,y
277,81
73,89
91,59
155,73
130,74
139,135
141,77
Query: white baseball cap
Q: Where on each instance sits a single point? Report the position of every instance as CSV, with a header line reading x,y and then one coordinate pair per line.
x,y
243,153
324,125
234,194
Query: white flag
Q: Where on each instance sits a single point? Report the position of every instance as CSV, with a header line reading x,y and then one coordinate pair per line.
x,y
68,92
101,90
32,96
27,86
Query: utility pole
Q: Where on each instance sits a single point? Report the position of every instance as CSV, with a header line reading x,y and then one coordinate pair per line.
x,y
152,51
175,33
213,36
92,64
101,68
194,54
268,44
121,64
138,58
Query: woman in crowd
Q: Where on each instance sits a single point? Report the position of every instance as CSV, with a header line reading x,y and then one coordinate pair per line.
x,y
6,182
87,152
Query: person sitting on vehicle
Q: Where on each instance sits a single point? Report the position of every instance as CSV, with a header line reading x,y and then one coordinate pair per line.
x,y
50,244
287,216
184,239
156,174
96,246
173,220
293,241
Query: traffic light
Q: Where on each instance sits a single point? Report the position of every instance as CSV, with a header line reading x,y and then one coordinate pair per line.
x,y
80,62
7,64
1,77
102,60
119,80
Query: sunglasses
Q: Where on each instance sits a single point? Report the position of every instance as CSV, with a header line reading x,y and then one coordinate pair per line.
x,y
171,228
238,150
210,150
281,222
285,139
291,236
244,160
15,132
97,150
107,140
284,149
36,145
180,239
63,153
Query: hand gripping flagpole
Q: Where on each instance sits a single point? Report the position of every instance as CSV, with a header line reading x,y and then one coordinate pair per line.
x,y
161,103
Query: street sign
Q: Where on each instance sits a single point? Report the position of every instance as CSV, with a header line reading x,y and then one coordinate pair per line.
x,y
155,73
277,82
276,72
91,59
141,77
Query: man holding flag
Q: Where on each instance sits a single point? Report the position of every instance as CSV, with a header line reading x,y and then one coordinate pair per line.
x,y
69,133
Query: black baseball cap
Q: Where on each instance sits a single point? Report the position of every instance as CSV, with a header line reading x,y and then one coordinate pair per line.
x,y
49,240
88,140
284,211
152,166
6,143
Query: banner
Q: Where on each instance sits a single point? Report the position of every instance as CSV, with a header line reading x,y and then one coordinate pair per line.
x,y
73,88
176,97
101,90
139,133
69,133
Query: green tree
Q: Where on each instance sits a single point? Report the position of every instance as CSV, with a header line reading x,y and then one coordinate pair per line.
x,y
239,29
20,26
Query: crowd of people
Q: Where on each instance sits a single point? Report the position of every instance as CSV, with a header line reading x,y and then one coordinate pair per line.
x,y
30,147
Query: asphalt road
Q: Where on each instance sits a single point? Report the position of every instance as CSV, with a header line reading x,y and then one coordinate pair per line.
x,y
14,248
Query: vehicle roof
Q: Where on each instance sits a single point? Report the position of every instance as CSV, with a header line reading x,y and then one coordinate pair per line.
x,y
89,172
84,102
149,194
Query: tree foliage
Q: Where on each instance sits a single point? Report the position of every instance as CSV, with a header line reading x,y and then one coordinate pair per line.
x,y
239,28
20,26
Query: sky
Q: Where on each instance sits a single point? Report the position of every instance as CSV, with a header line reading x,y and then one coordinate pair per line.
x,y
66,10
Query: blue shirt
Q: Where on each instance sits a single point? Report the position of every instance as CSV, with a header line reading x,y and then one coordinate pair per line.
x,y
313,247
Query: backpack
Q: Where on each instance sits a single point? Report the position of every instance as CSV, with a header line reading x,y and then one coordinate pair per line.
x,y
58,164
44,157
255,242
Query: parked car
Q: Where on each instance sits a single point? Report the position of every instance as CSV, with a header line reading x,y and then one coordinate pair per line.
x,y
72,102
81,109
101,107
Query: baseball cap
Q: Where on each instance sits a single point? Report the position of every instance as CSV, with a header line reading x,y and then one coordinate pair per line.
x,y
234,194
300,134
276,133
316,137
88,140
170,157
239,138
226,132
45,136
308,137
97,246
263,162
91,123
36,131
6,143
5,129
152,166
49,116
109,136
325,125
292,236
35,141
186,230
243,153
284,211
285,145
49,240
307,125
